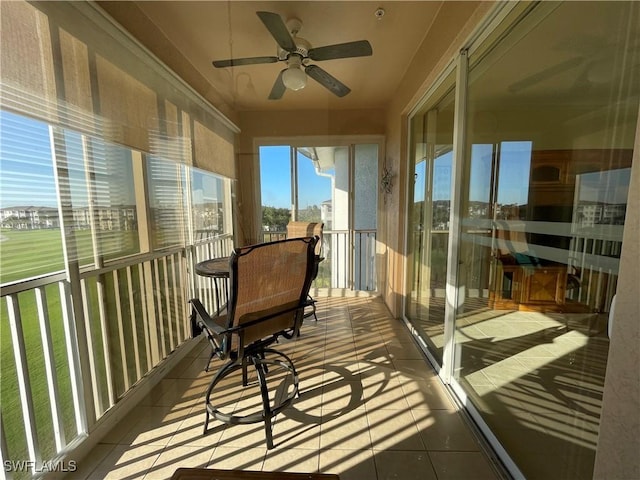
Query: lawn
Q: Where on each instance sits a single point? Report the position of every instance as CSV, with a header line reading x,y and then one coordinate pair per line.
x,y
26,254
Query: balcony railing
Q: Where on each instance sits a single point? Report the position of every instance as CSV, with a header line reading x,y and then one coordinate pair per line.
x,y
66,363
349,258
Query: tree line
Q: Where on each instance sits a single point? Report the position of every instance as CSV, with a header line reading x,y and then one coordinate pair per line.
x,y
275,219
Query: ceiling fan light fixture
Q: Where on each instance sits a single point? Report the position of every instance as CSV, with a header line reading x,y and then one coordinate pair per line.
x,y
298,54
294,78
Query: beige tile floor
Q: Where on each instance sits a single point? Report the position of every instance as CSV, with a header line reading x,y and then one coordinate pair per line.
x,y
535,378
370,408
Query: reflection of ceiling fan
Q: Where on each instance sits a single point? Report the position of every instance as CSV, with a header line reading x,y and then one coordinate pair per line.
x,y
297,53
599,62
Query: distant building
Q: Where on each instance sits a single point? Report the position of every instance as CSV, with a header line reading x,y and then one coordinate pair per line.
x,y
122,217
29,217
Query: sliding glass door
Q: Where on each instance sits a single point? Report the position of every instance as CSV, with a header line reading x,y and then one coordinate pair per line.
x,y
543,140
430,209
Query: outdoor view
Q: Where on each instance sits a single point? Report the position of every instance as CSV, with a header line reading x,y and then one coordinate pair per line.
x,y
96,187
309,196
333,185
311,191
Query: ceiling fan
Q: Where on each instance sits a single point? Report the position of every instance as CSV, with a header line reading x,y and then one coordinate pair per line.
x,y
297,53
594,62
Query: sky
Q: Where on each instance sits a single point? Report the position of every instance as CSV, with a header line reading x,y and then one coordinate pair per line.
x,y
26,172
275,179
513,185
26,168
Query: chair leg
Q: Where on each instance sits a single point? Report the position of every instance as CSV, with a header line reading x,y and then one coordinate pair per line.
x,y
206,420
206,367
266,405
222,372
245,376
313,306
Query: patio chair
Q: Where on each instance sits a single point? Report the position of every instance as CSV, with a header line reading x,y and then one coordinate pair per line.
x,y
307,229
269,284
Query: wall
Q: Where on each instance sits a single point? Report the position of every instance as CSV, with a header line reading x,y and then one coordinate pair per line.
x,y
287,124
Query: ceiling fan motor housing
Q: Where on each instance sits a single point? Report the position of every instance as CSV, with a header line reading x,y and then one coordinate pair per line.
x,y
302,49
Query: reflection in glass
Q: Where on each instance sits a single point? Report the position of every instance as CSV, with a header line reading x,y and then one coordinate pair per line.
x,y
209,208
166,202
314,179
30,238
546,167
275,189
102,197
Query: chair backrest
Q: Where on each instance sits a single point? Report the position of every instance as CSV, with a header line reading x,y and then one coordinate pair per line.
x,y
306,229
269,285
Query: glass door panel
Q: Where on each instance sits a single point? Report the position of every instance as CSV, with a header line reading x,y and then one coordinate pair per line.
x,y
275,190
316,177
546,166
429,218
313,189
365,211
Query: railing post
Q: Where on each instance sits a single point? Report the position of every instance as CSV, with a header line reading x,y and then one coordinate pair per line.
x,y
22,371
5,473
151,318
50,369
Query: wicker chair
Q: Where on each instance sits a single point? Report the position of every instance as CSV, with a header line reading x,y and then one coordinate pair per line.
x,y
269,287
308,229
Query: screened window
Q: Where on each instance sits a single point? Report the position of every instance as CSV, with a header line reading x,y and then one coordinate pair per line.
x,y
165,179
30,238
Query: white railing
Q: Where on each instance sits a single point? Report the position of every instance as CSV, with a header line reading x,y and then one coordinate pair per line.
x,y
349,258
129,317
595,260
213,293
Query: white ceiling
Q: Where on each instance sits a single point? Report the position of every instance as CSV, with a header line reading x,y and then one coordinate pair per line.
x,y
217,30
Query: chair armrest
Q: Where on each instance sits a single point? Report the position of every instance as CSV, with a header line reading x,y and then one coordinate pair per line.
x,y
200,318
202,322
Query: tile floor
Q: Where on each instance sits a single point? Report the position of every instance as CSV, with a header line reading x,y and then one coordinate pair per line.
x,y
369,408
537,380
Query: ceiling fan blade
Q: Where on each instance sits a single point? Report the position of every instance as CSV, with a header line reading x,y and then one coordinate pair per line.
x,y
545,74
278,30
278,88
235,62
361,48
326,80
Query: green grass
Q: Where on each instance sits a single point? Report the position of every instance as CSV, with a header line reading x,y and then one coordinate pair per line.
x,y
28,253
25,254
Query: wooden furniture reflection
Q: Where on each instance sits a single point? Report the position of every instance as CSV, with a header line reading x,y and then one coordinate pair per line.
x,y
215,474
522,281
528,287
